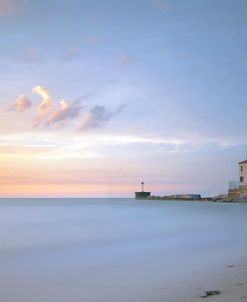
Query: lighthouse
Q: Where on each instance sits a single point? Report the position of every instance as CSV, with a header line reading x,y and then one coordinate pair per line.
x,y
142,194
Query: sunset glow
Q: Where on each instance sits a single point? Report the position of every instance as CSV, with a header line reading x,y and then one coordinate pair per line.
x,y
97,96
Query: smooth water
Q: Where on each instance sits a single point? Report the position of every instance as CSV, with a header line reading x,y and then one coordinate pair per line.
x,y
91,250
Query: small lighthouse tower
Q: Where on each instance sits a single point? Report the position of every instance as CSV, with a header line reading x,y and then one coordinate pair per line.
x,y
142,194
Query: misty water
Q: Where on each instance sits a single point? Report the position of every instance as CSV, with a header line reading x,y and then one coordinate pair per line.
x,y
91,250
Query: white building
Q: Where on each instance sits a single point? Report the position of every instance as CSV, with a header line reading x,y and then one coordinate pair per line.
x,y
243,173
238,190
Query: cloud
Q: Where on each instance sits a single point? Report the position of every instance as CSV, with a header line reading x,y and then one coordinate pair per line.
x,y
31,54
44,106
97,117
21,103
123,59
48,114
92,39
8,7
73,53
65,111
162,5
46,102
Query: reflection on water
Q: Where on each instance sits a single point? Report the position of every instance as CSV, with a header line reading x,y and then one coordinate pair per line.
x,y
112,249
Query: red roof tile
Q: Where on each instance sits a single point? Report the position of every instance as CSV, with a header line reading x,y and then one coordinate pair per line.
x,y
243,162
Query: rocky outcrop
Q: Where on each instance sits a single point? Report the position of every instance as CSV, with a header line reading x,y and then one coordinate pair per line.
x,y
209,293
238,194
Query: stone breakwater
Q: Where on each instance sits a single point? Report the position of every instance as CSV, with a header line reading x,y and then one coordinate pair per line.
x,y
195,197
177,197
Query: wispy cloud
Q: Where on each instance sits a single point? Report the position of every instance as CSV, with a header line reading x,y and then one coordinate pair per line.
x,y
72,54
162,5
51,114
124,59
97,117
65,111
92,39
8,7
31,54
21,103
56,145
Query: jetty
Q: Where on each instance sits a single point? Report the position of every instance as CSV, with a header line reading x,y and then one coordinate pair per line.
x,y
142,194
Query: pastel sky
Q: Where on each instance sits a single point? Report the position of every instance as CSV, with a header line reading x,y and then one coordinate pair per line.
x,y
99,95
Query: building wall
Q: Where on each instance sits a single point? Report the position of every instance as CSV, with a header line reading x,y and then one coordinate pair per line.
x,y
243,174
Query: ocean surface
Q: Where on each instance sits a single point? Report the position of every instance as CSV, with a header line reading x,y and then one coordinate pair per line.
x,y
91,250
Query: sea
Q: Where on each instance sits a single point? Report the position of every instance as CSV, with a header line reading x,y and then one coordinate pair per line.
x,y
115,250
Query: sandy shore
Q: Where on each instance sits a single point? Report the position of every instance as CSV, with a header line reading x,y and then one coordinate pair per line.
x,y
232,283
230,280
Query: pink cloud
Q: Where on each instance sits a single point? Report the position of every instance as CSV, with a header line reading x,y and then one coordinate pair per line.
x,y
65,111
46,102
31,54
124,59
21,103
8,7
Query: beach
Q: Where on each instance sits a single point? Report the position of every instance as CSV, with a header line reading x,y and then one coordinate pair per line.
x,y
229,280
118,250
234,284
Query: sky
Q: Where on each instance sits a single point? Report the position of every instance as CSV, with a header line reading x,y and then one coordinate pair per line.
x,y
97,96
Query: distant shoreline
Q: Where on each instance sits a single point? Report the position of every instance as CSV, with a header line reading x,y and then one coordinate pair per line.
x,y
171,198
190,197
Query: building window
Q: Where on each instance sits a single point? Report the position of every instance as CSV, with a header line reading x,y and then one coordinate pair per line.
x,y
241,179
241,168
